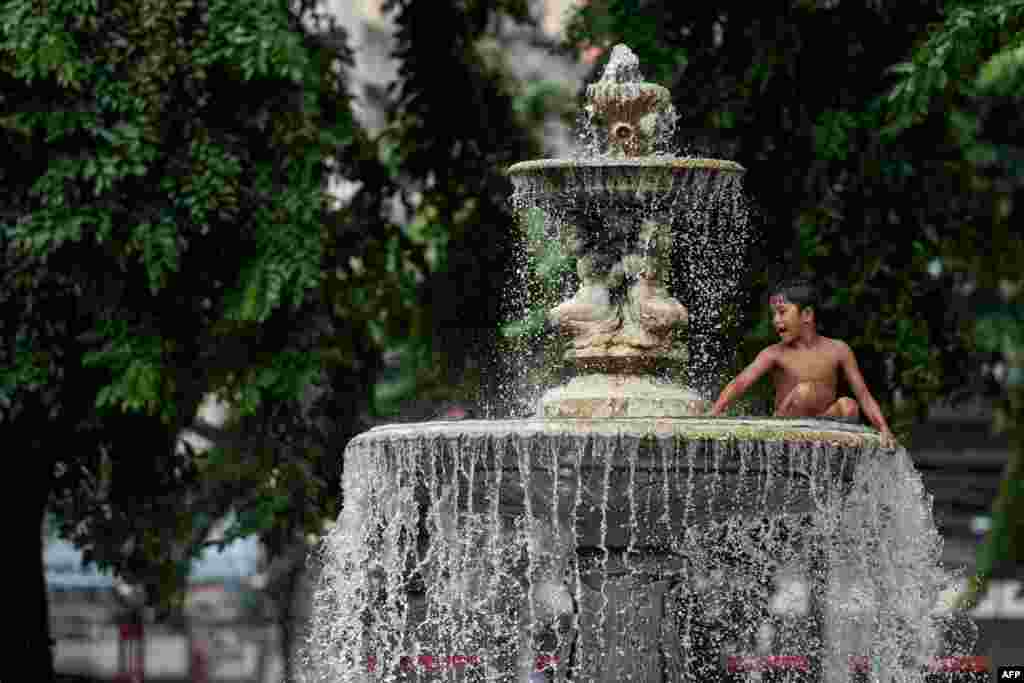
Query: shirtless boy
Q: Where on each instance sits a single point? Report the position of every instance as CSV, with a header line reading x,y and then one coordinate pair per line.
x,y
805,367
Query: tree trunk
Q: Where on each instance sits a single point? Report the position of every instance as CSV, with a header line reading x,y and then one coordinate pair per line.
x,y
286,573
31,616
286,621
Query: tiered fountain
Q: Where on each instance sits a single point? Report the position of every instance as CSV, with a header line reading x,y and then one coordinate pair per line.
x,y
618,535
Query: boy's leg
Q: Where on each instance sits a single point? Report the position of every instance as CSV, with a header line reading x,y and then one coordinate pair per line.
x,y
845,409
802,401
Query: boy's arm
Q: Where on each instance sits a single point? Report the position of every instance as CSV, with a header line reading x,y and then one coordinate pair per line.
x,y
764,362
867,402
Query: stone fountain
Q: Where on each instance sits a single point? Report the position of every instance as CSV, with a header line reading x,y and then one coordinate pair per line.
x,y
618,535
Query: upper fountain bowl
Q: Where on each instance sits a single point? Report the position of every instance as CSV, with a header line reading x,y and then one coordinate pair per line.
x,y
630,124
645,178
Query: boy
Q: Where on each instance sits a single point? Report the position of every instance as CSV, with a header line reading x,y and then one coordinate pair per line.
x,y
805,367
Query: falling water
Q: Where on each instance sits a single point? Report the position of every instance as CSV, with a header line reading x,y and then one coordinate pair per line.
x,y
501,544
711,235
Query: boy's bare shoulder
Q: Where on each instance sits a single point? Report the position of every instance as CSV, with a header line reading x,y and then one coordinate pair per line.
x,y
837,347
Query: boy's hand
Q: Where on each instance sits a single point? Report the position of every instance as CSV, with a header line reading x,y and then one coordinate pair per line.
x,y
889,441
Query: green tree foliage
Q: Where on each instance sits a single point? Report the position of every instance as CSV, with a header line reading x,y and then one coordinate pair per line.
x,y
457,119
162,227
166,234
969,74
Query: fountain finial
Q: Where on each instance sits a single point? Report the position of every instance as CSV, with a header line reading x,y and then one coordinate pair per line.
x,y
636,114
623,66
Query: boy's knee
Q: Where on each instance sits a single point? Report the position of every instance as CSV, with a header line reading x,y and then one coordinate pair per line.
x,y
848,407
796,400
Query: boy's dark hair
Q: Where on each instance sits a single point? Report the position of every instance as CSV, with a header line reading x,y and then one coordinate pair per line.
x,y
800,292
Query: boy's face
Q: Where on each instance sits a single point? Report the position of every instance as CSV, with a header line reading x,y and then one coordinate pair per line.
x,y
787,318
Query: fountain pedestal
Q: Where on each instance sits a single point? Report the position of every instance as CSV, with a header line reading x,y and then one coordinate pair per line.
x,y
594,396
618,215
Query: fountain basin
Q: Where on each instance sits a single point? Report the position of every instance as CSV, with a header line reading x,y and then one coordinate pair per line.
x,y
767,429
640,177
579,540
616,482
